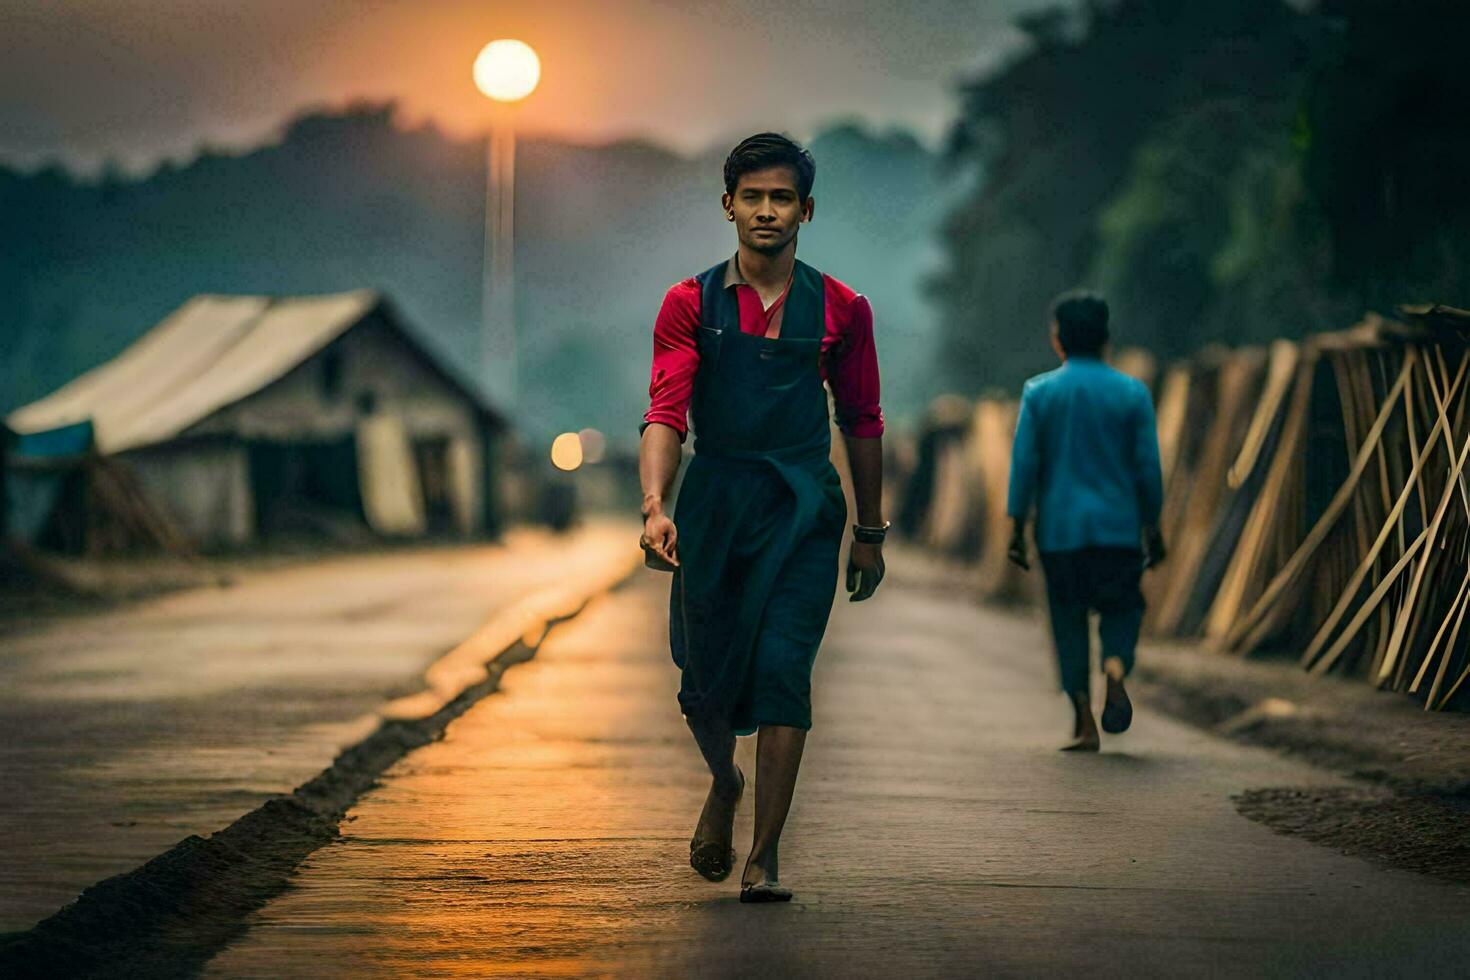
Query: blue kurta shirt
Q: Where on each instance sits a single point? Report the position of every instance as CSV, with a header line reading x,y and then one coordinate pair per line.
x,y
1086,455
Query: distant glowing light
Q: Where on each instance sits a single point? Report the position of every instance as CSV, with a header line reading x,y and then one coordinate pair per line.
x,y
566,451
507,70
594,445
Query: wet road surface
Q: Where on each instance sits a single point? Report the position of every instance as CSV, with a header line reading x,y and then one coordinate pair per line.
x,y
936,831
122,732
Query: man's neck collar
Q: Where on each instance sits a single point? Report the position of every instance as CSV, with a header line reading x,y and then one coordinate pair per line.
x,y
735,274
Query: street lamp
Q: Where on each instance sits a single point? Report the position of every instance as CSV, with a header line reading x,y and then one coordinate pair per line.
x,y
506,71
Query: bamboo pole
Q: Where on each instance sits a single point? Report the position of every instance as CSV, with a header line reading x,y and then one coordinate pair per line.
x,y
1386,531
1247,629
1257,545
1395,644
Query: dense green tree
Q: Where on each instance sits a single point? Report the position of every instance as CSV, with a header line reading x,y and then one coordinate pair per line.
x,y
1224,172
1112,153
1386,144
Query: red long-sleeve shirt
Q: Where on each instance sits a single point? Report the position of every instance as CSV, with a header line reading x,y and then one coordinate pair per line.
x,y
849,360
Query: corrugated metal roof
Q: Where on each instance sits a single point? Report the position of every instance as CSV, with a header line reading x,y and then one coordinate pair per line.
x,y
209,353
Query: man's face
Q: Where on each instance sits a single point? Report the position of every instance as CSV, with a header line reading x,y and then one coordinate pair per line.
x,y
767,210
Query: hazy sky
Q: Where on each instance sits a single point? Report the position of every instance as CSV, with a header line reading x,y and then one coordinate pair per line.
x,y
137,80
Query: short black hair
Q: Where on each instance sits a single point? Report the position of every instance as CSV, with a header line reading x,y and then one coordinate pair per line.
x,y
765,150
1081,318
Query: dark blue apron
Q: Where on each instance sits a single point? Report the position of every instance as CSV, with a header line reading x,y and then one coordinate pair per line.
x,y
761,486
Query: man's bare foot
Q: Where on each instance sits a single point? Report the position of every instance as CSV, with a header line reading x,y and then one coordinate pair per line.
x,y
710,852
764,892
1084,743
1117,712
760,868
1084,730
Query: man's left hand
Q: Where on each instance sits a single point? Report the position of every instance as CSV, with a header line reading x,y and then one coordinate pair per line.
x,y
864,570
1016,552
1153,547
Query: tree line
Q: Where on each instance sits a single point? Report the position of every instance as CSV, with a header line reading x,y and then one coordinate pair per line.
x,y
1223,171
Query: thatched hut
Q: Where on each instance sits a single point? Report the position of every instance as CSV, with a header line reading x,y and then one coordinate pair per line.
x,y
238,418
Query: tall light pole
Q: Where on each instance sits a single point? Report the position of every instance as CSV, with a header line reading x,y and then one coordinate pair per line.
x,y
506,71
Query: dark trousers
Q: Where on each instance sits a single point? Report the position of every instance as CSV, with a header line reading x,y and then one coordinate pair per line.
x,y
1104,580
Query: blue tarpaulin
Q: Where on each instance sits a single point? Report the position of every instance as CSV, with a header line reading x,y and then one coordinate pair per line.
x,y
68,440
34,478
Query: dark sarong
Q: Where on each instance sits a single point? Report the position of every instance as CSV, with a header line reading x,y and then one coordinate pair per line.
x,y
760,509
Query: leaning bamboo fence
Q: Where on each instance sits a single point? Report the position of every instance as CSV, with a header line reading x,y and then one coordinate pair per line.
x,y
1317,500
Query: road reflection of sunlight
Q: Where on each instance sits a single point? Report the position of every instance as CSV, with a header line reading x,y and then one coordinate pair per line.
x,y
528,857
936,831
527,621
539,827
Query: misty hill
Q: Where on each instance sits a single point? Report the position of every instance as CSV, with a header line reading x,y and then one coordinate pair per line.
x,y
348,200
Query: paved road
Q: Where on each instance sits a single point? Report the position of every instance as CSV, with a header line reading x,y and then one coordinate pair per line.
x,y
936,832
125,731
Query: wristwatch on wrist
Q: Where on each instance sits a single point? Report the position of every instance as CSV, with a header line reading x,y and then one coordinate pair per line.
x,y
870,535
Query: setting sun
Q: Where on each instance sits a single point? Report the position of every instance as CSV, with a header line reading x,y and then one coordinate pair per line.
x,y
507,70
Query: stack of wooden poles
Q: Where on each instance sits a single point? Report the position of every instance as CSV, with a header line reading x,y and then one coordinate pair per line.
x,y
1317,500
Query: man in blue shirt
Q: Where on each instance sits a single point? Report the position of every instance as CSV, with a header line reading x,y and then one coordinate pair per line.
x,y
1086,456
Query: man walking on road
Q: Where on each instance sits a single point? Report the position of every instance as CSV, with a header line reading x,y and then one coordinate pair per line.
x,y
1086,454
745,348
